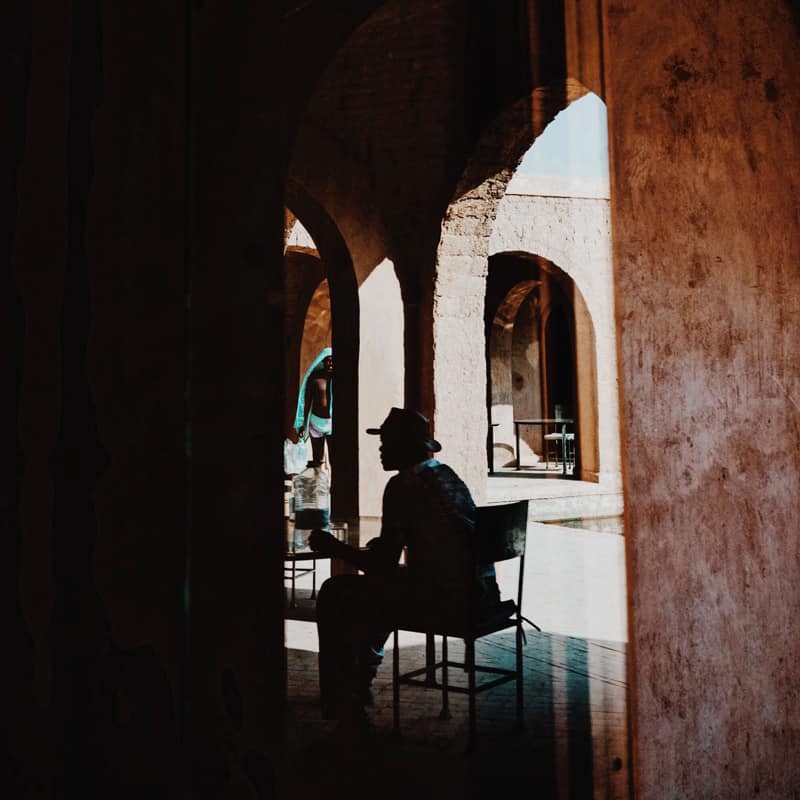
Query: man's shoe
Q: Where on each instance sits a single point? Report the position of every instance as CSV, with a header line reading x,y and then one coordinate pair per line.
x,y
355,723
361,734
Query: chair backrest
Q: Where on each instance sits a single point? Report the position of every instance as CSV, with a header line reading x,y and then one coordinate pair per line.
x,y
501,531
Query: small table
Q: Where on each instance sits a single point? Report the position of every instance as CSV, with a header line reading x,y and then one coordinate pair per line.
x,y
299,552
562,422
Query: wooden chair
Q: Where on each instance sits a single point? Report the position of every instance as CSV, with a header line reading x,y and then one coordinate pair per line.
x,y
500,536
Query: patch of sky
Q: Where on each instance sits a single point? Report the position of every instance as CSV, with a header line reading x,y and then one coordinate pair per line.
x,y
574,144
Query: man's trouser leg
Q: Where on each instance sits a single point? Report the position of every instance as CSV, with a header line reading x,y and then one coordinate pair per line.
x,y
351,639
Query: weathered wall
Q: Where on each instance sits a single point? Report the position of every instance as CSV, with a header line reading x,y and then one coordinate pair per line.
x,y
703,111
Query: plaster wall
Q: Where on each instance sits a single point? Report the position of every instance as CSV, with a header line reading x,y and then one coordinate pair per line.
x,y
380,369
574,233
703,117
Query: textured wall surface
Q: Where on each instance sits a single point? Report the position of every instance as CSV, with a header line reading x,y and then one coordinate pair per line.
x,y
461,418
704,107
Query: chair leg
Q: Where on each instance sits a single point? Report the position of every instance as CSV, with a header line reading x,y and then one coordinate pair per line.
x,y
445,712
396,687
532,624
520,686
470,663
430,659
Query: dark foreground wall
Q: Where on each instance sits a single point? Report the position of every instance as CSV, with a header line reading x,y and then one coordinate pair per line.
x,y
141,477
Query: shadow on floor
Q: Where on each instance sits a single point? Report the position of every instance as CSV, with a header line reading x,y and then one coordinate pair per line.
x,y
574,745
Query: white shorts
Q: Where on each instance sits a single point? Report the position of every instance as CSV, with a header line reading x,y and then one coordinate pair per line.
x,y
319,426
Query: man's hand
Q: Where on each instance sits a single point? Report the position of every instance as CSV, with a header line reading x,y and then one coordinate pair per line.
x,y
322,541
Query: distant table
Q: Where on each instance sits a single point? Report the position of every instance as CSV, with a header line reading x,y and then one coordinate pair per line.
x,y
544,422
490,446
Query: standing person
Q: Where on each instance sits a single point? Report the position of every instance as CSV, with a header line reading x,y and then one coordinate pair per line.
x,y
428,510
314,415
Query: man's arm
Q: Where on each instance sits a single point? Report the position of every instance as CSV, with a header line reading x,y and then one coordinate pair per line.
x,y
382,554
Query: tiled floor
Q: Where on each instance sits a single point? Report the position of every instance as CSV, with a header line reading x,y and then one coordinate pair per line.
x,y
575,742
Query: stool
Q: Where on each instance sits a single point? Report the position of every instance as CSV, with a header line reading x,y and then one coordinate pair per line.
x,y
557,439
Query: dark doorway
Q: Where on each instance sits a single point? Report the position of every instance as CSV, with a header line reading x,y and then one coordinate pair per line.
x,y
560,362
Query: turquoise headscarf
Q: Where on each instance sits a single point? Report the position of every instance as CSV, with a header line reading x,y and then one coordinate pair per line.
x,y
301,415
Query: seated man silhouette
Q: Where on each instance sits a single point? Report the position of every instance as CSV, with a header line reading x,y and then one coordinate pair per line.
x,y
428,510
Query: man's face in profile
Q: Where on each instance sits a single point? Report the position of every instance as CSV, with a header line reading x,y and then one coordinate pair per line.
x,y
389,451
397,453
327,364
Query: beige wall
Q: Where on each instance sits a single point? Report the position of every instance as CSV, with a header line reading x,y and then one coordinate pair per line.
x,y
380,370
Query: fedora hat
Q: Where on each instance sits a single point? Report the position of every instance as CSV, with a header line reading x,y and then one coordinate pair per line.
x,y
408,425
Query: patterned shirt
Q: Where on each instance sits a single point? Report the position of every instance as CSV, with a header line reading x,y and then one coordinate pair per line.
x,y
428,511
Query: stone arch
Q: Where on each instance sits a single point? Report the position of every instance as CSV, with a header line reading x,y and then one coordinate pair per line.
x,y
460,418
343,288
519,346
572,239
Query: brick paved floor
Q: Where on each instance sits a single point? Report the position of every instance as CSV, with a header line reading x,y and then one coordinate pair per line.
x,y
574,744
